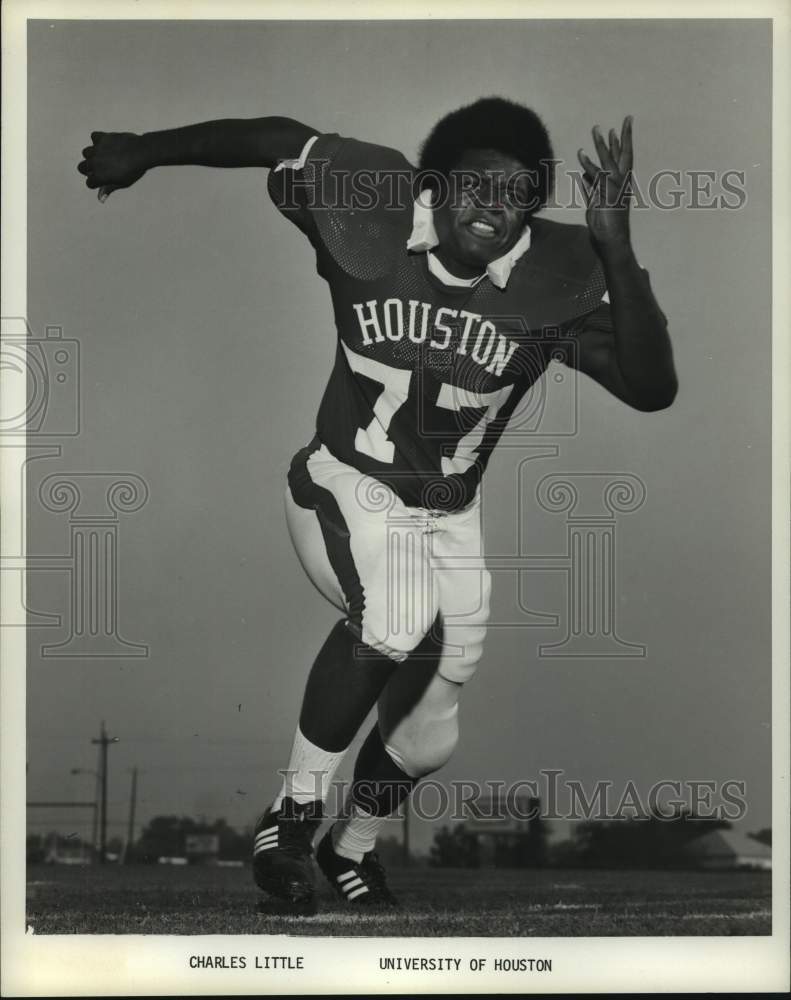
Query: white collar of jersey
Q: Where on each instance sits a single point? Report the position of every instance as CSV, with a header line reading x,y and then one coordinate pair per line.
x,y
424,238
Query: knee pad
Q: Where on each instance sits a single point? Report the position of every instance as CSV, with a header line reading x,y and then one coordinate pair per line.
x,y
426,743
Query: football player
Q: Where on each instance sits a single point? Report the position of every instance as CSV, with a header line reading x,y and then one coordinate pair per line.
x,y
450,296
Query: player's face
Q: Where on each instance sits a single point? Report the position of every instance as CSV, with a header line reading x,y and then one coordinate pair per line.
x,y
485,214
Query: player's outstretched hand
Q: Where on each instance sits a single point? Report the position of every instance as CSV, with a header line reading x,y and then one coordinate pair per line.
x,y
113,160
608,185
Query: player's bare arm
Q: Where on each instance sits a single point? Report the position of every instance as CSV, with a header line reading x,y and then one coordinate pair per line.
x,y
635,362
118,159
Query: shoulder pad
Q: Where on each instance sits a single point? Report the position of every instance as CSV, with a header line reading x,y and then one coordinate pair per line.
x,y
359,197
560,277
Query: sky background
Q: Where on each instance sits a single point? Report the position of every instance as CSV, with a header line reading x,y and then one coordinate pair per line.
x,y
206,339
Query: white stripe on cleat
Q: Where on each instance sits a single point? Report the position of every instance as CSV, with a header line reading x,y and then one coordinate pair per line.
x,y
357,892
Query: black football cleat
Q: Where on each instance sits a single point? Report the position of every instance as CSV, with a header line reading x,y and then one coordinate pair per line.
x,y
283,853
361,883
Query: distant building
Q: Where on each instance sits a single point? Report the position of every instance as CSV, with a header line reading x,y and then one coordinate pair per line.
x,y
202,848
728,849
508,833
60,851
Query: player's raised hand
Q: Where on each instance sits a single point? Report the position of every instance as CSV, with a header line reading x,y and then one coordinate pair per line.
x,y
608,184
113,160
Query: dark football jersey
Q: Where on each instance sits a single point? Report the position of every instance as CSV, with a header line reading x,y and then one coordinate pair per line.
x,y
426,375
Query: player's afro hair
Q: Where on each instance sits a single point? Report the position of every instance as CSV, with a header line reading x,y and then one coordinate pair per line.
x,y
492,123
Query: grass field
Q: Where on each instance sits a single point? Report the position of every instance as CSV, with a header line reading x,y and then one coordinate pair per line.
x,y
434,903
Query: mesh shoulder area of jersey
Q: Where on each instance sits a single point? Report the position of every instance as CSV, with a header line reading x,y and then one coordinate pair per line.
x,y
354,200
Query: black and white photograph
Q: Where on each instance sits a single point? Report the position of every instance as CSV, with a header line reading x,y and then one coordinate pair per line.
x,y
395,499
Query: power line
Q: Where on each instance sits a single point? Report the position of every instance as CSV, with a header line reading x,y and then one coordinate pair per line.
x,y
52,822
61,805
211,740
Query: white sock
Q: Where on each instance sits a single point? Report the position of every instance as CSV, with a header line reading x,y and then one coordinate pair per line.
x,y
310,771
355,836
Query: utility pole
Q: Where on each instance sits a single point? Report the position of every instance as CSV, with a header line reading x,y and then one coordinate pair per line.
x,y
405,842
130,830
95,820
104,741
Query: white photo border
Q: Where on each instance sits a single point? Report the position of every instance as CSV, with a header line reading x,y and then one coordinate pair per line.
x,y
107,965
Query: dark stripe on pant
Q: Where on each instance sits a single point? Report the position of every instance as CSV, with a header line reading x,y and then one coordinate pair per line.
x,y
334,529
